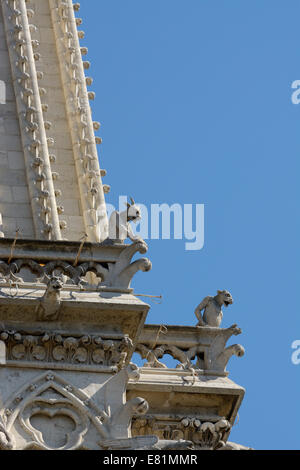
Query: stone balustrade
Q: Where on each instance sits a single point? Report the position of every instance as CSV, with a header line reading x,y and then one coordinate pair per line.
x,y
36,261
201,349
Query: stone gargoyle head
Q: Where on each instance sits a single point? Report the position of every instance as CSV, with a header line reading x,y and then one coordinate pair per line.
x,y
224,298
54,284
133,212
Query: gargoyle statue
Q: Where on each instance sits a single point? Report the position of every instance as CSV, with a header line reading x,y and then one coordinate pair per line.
x,y
49,304
212,306
121,420
119,223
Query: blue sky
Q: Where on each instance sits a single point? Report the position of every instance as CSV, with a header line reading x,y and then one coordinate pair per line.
x,y
194,98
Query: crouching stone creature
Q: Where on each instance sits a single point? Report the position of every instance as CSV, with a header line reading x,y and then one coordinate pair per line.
x,y
119,228
50,303
212,309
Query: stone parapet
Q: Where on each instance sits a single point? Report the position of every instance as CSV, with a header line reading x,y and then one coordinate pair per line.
x,y
36,261
199,349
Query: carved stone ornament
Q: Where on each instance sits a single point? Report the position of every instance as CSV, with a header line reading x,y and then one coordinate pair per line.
x,y
113,274
51,414
63,350
146,443
198,433
49,305
6,439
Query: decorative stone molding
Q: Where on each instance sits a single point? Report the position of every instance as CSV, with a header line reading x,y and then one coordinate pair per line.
x,y
79,114
36,406
28,99
204,435
60,350
154,443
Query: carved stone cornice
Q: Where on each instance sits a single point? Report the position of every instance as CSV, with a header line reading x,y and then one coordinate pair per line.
x,y
57,350
205,435
32,413
175,395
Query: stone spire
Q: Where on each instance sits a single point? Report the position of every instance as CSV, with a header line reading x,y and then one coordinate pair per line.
x,y
50,182
70,323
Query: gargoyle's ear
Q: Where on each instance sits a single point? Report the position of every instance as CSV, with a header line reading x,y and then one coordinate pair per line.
x,y
220,291
128,205
132,201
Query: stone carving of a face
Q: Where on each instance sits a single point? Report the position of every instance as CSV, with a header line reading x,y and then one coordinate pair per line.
x,y
133,212
140,406
225,297
55,284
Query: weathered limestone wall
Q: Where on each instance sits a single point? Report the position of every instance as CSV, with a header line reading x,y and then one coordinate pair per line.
x,y
14,198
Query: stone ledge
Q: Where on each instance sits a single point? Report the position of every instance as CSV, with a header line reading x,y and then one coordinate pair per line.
x,y
171,399
60,250
105,265
86,312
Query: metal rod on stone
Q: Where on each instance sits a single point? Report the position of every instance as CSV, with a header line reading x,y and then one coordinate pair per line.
x,y
13,246
80,250
149,296
162,330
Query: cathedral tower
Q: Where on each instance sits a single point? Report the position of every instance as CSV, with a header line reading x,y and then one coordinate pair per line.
x,y
69,320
